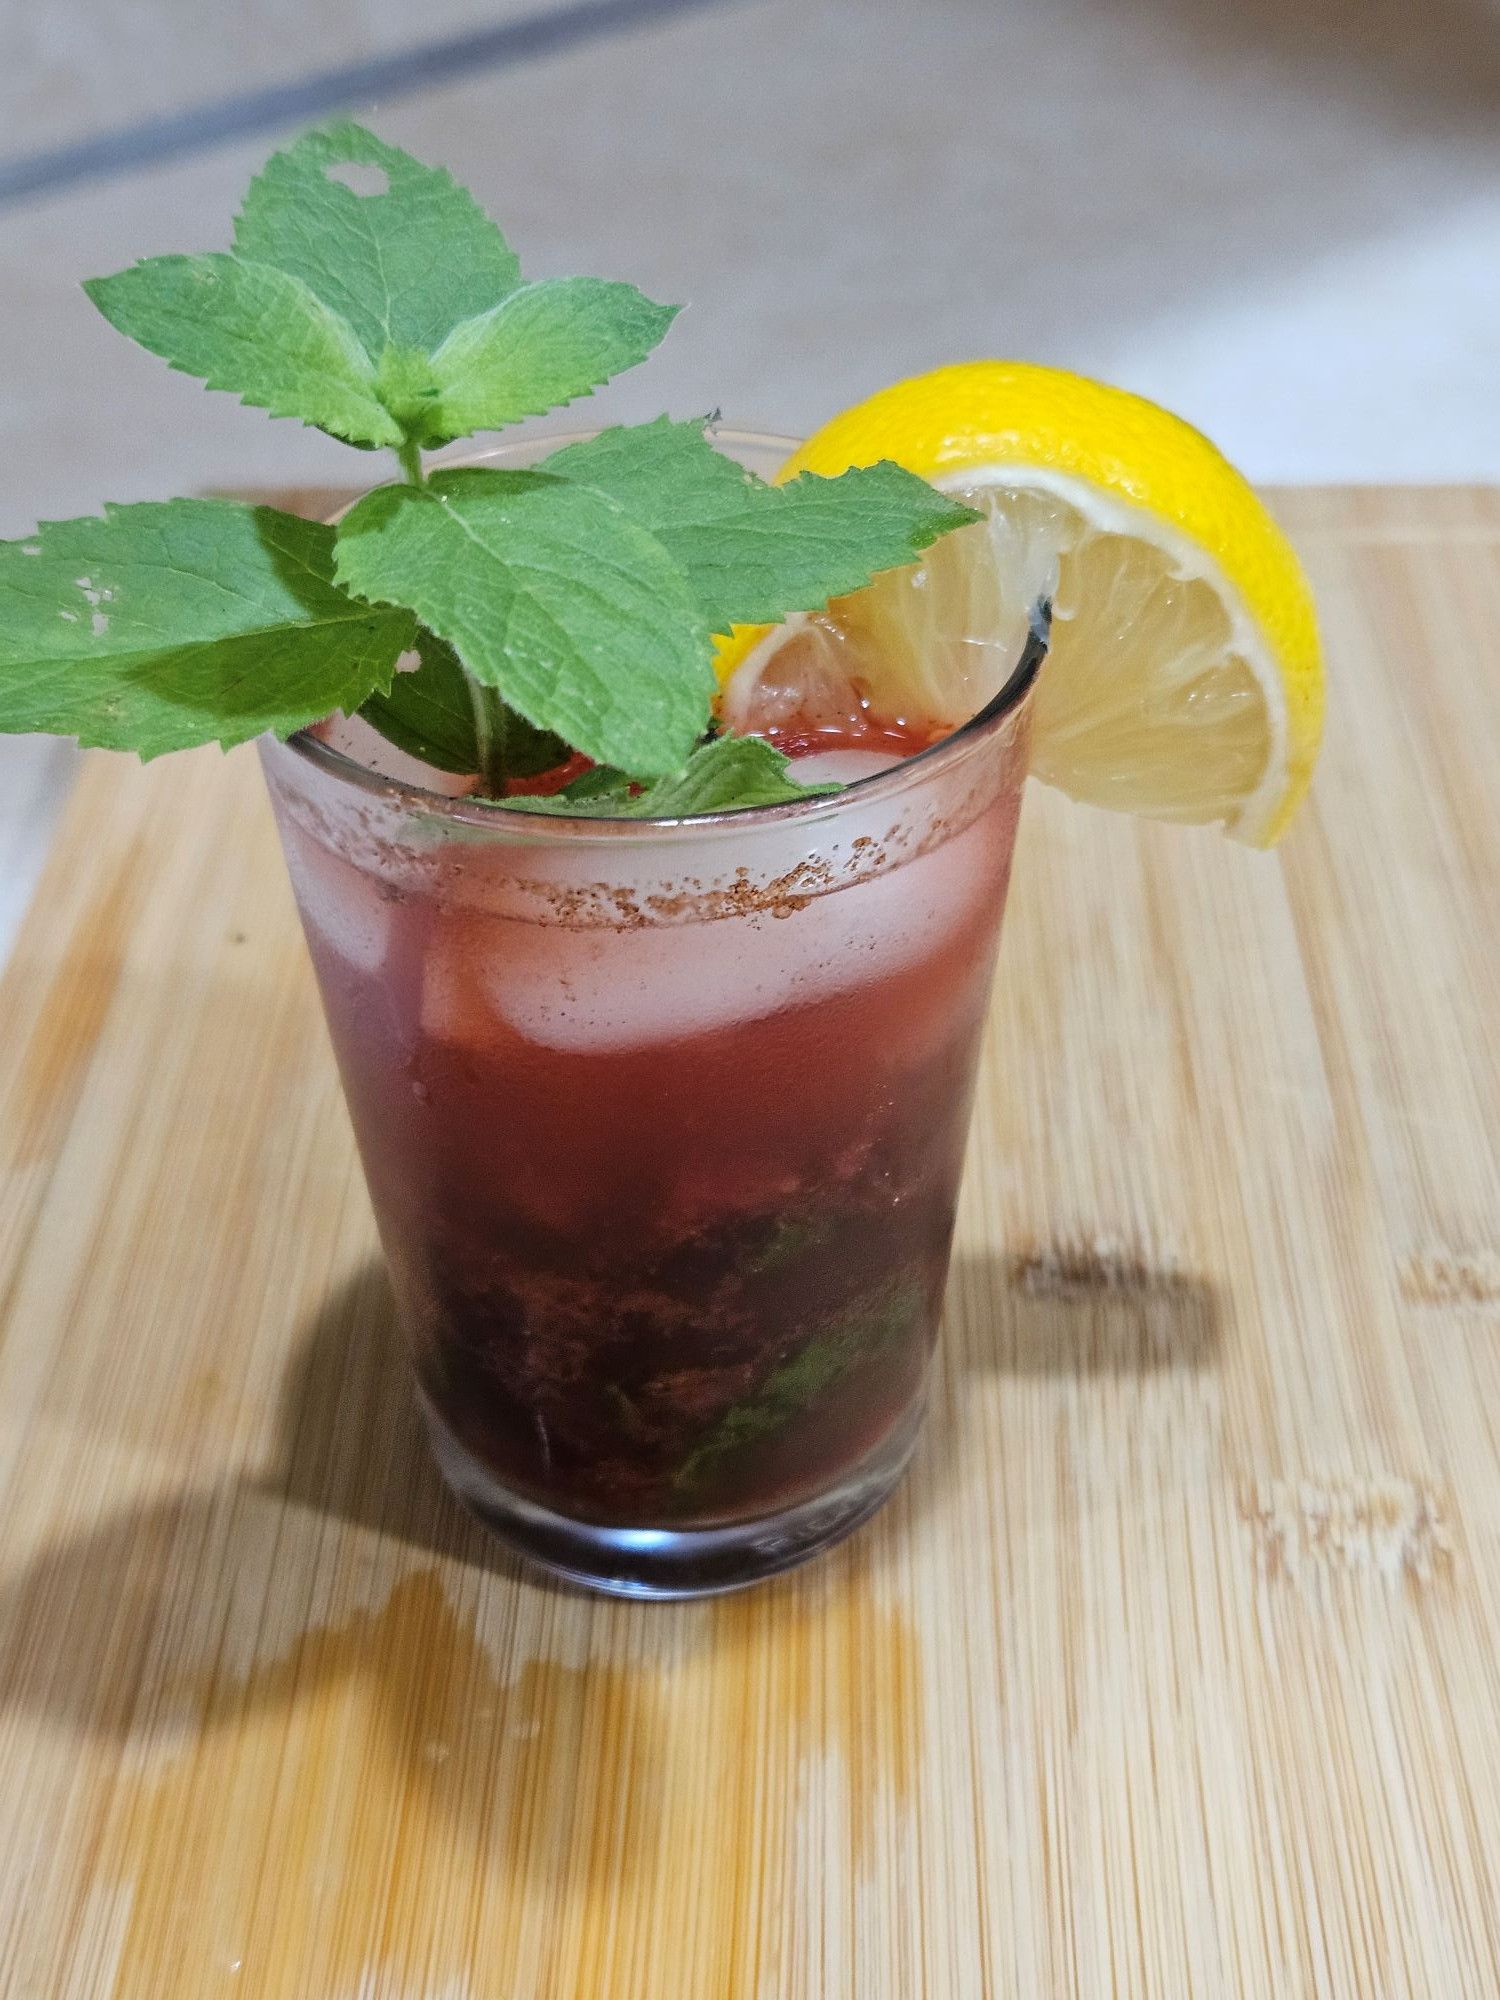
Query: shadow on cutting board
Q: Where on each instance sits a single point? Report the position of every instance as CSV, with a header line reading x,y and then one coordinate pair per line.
x,y
317,1726
82,1623
77,1625
352,1441
296,1691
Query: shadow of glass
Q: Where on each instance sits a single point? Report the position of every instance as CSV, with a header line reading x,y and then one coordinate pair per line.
x,y
351,1438
185,1617
1060,1315
181,1627
82,1626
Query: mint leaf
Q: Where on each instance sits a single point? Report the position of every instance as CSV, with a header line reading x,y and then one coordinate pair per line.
x,y
254,330
548,592
662,473
602,793
730,771
543,346
174,623
403,265
859,1333
428,711
420,279
798,545
721,776
752,553
519,748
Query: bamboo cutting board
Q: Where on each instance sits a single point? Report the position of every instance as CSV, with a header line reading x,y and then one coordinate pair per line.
x,y
1173,1670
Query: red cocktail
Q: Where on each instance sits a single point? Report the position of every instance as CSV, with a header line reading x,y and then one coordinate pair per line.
x,y
663,1124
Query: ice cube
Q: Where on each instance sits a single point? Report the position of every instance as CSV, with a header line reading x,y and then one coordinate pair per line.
x,y
341,905
841,767
602,990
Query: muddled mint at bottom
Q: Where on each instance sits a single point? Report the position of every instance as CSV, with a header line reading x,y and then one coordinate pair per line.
x,y
848,1338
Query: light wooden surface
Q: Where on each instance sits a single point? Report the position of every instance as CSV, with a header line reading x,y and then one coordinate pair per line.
x,y
1173,1671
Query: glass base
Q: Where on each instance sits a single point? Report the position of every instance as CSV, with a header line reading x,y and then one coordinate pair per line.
x,y
675,1562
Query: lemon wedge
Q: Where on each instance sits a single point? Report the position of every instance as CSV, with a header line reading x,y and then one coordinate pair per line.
x,y
1185,679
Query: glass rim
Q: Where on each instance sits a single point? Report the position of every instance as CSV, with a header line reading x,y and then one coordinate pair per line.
x,y
508,823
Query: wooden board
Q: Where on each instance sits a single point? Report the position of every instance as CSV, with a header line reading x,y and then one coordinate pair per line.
x,y
1174,1669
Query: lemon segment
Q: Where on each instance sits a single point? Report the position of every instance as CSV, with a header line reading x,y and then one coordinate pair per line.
x,y
1185,678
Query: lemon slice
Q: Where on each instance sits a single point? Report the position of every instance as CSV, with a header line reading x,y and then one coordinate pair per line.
x,y
1185,678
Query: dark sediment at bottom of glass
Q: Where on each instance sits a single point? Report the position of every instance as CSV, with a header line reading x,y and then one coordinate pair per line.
x,y
672,1562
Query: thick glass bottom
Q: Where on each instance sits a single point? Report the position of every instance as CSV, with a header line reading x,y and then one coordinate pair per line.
x,y
676,1562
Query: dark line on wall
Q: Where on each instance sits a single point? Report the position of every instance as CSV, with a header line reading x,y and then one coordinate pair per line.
x,y
176,136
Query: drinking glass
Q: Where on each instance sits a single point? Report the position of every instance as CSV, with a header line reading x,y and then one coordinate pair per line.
x,y
663,1124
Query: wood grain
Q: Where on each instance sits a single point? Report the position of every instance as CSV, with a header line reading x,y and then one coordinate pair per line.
x,y
1174,1670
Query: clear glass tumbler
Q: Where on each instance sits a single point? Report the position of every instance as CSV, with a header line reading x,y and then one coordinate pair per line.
x,y
663,1124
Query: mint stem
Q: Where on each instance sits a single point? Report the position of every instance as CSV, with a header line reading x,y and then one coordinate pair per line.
x,y
489,708
410,455
489,734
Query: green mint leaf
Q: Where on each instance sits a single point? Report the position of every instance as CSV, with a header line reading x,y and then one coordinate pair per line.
x,y
662,473
603,793
728,772
169,624
522,750
548,592
428,711
812,540
723,775
597,786
423,282
543,346
790,1238
846,1339
751,552
403,264
254,330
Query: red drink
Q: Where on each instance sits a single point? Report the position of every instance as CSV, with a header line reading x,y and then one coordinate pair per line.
x,y
663,1127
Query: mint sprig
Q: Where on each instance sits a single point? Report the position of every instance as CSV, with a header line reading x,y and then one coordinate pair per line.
x,y
723,775
583,592
569,608
388,315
